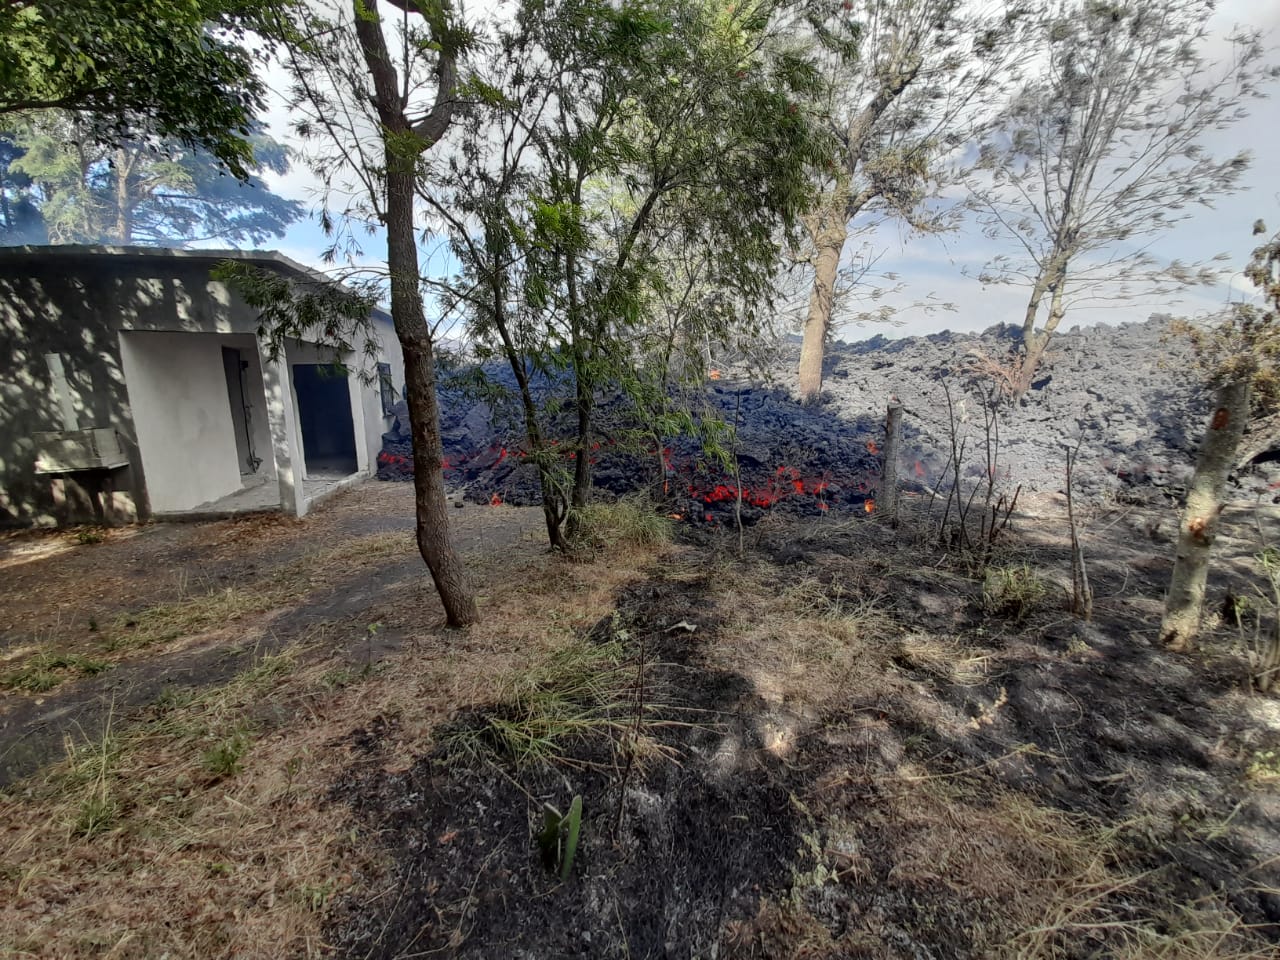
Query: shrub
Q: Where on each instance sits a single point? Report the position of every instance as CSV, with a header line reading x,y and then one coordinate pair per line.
x,y
630,522
1013,591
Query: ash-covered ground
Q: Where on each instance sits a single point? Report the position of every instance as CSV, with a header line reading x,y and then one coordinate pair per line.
x,y
1128,395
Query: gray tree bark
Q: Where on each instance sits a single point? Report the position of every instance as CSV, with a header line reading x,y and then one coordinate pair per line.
x,y
1185,602
829,243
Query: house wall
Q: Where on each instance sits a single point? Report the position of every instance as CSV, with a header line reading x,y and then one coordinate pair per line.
x,y
375,424
255,391
178,394
76,302
44,311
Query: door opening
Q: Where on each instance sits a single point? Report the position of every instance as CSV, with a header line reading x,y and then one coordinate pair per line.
x,y
324,413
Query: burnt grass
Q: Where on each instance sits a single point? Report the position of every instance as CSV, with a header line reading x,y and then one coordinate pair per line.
x,y
688,852
710,849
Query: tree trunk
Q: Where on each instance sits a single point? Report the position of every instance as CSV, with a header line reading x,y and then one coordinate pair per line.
x,y
582,459
124,225
410,320
1033,349
583,396
829,244
1035,342
1200,517
888,505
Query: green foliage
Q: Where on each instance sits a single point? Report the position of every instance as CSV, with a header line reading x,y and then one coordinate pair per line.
x,y
1013,592
636,139
173,69
225,758
143,192
45,671
558,839
337,316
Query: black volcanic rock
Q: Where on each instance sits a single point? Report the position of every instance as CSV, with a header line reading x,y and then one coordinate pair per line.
x,y
1128,394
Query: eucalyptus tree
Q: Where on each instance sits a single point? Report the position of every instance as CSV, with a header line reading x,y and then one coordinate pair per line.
x,y
144,192
611,137
909,83
374,90
1102,150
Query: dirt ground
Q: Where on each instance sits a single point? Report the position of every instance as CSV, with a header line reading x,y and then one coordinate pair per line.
x,y
255,738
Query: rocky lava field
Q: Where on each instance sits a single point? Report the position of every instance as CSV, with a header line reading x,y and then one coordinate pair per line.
x,y
1128,395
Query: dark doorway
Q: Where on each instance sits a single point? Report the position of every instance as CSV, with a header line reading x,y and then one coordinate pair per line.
x,y
324,411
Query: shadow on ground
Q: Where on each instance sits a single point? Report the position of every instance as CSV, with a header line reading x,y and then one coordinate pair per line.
x,y
671,851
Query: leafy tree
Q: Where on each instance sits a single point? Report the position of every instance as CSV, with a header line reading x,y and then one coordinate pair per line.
x,y
1101,151
374,92
909,81
20,220
177,70
87,192
622,137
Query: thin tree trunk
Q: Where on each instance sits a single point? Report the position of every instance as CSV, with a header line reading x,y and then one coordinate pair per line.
x,y
552,513
584,403
124,228
888,505
407,313
1036,342
410,320
583,397
829,244
1200,517
1081,592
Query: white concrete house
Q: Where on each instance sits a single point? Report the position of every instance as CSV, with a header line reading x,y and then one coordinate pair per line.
x,y
137,386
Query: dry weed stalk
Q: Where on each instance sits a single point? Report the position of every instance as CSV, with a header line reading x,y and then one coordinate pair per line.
x,y
1081,591
998,504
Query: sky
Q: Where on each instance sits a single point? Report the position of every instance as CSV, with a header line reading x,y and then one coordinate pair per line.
x,y
942,269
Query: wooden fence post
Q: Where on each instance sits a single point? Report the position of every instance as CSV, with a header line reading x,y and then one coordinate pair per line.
x,y
888,505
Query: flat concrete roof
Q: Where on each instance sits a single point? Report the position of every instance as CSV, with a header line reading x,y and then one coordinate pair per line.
x,y
90,251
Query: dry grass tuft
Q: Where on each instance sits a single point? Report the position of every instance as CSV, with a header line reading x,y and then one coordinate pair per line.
x,y
800,640
579,692
627,524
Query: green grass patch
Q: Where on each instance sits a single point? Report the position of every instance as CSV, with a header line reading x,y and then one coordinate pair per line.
x,y
45,671
631,522
580,691
225,758
1013,592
